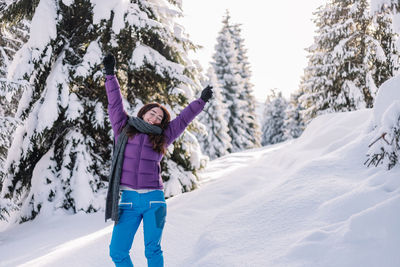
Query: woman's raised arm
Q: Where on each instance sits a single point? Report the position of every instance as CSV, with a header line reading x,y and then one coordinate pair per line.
x,y
178,125
116,112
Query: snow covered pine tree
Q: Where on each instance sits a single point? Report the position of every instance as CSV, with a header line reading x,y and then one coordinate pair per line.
x,y
350,58
216,142
55,160
11,40
232,71
249,117
293,125
274,117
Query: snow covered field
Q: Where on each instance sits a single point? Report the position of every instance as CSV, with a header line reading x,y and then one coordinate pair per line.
x,y
306,202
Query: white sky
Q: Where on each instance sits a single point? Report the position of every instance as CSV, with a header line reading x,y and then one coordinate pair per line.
x,y
275,32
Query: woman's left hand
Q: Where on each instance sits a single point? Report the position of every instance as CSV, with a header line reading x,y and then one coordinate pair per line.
x,y
207,93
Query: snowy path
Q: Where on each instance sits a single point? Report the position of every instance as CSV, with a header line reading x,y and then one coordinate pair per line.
x,y
84,239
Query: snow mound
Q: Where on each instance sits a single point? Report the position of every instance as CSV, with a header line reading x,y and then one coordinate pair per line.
x,y
388,95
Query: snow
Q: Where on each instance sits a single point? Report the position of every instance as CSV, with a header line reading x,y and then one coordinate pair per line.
x,y
124,11
391,115
396,24
99,115
47,111
119,11
305,202
42,31
24,55
67,2
388,93
43,27
355,93
92,57
81,183
384,142
376,5
143,54
41,187
102,9
75,108
44,112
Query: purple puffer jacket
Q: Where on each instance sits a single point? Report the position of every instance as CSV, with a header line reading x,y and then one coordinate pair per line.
x,y
141,167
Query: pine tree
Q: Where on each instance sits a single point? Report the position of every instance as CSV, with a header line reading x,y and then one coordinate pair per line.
x,y
387,52
60,154
249,119
217,141
293,123
274,117
342,71
227,72
11,40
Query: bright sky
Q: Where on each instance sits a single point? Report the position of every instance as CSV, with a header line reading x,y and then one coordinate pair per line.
x,y
275,32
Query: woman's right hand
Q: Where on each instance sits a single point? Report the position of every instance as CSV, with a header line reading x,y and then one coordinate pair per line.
x,y
109,64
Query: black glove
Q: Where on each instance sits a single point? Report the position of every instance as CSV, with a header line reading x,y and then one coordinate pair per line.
x,y
109,64
207,93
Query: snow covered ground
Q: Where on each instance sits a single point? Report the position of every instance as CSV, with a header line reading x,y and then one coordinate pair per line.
x,y
306,202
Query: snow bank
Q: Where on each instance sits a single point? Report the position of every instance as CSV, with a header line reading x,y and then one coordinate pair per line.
x,y
383,148
388,93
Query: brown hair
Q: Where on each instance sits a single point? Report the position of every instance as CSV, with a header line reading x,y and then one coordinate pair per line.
x,y
158,141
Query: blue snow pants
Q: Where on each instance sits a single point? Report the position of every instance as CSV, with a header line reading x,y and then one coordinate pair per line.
x,y
133,208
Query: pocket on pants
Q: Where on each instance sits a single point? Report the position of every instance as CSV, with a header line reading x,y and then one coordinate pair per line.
x,y
125,205
160,212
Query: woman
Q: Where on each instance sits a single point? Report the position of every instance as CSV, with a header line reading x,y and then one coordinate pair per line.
x,y
141,143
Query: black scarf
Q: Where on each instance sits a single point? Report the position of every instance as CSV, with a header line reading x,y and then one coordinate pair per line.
x,y
143,126
117,161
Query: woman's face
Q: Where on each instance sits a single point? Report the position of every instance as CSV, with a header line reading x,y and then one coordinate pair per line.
x,y
154,116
